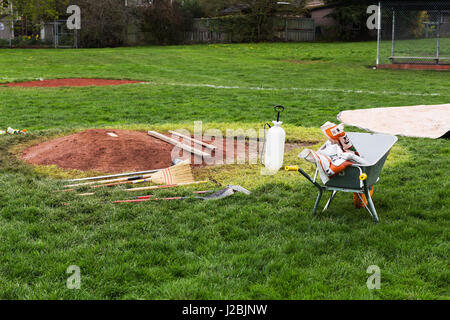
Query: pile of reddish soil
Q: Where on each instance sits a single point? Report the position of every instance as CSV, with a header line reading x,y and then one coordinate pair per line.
x,y
96,150
54,83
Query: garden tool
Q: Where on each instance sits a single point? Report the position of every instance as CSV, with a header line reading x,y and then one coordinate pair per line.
x,y
221,194
15,131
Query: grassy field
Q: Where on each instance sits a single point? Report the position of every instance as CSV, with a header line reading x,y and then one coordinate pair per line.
x,y
263,246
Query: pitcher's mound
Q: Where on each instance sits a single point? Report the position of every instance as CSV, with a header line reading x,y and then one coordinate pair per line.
x,y
108,151
115,151
54,83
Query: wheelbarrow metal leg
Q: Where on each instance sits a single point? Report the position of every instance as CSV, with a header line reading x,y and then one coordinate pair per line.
x,y
371,208
318,186
316,205
333,194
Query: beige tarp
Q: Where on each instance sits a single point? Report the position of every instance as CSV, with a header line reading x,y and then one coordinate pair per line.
x,y
416,121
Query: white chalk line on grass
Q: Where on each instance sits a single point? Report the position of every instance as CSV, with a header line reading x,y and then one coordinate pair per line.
x,y
362,91
213,86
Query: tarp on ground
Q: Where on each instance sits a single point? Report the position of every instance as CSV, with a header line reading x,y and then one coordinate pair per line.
x,y
424,121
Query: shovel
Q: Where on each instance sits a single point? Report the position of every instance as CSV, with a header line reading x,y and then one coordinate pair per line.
x,y
224,193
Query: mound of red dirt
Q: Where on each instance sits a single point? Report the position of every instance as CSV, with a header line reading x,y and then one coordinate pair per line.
x,y
97,151
115,151
54,83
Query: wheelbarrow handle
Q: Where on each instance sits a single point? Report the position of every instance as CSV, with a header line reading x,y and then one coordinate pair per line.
x,y
303,173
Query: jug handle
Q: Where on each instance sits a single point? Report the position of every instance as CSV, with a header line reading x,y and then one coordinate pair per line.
x,y
278,110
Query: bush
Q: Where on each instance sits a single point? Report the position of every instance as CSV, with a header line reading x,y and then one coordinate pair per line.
x,y
245,28
193,8
163,23
4,43
25,42
253,23
103,23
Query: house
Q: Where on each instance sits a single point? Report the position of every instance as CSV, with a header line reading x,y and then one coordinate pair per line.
x,y
5,22
320,12
5,31
131,3
327,28
246,8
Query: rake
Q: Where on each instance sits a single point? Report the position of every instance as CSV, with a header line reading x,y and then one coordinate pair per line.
x,y
151,197
108,181
221,194
180,173
151,188
126,174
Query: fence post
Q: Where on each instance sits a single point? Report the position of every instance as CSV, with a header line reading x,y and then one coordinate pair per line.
x,y
11,31
393,32
55,34
438,37
11,25
379,33
209,37
285,29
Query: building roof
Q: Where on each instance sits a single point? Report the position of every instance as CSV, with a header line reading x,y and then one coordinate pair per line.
x,y
315,4
318,4
416,4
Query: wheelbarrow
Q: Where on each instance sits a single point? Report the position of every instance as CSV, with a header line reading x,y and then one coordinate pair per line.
x,y
358,179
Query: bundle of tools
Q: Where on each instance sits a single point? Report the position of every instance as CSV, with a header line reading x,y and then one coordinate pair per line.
x,y
180,174
177,175
12,131
221,194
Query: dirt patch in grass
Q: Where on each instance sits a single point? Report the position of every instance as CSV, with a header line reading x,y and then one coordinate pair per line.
x,y
303,61
54,83
114,151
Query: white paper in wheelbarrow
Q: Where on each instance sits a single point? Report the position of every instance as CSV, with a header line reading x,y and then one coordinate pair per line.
x,y
332,158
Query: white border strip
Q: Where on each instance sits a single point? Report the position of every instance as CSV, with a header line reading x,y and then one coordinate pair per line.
x,y
297,89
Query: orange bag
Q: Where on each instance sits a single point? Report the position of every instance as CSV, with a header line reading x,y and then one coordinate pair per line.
x,y
357,201
337,135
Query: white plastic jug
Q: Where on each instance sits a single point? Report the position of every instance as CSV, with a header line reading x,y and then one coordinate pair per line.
x,y
274,156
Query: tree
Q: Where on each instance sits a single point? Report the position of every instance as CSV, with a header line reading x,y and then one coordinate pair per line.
x,y
351,18
103,22
193,8
4,9
259,13
250,19
213,8
38,10
164,22
33,12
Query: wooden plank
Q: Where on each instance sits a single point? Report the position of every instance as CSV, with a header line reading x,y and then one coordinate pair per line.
x,y
179,144
208,146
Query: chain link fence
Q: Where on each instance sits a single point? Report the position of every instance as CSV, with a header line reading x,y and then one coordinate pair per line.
x,y
57,33
415,32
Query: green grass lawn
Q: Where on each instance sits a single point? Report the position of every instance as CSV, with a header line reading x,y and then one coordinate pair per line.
x,y
263,246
